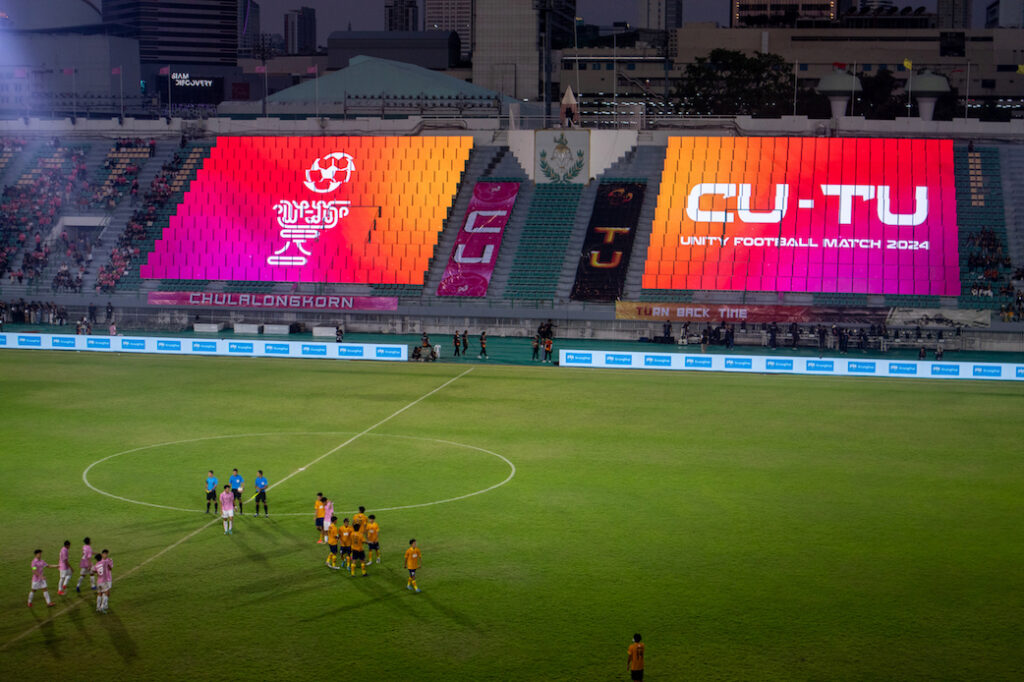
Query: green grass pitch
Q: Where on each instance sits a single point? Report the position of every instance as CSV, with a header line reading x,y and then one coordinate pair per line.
x,y
751,527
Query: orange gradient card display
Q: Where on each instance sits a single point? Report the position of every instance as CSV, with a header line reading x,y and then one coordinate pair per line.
x,y
874,216
313,209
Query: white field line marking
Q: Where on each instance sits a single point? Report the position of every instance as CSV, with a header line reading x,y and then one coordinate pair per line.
x,y
367,430
127,575
511,475
512,468
214,520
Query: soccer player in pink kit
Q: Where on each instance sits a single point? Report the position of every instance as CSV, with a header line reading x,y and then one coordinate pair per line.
x,y
85,566
64,564
227,509
328,511
38,579
105,572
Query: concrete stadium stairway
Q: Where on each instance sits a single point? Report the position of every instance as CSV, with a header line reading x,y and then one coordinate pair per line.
x,y
638,163
115,227
1013,194
19,163
649,163
508,168
480,161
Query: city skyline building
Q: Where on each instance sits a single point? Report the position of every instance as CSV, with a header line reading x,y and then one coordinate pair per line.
x,y
659,15
745,13
248,26
954,13
1005,14
196,32
401,15
509,43
451,15
300,31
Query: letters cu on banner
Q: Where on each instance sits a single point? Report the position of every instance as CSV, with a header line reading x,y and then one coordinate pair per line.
x,y
477,244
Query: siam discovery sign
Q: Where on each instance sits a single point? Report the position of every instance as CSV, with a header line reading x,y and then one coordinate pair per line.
x,y
313,209
874,216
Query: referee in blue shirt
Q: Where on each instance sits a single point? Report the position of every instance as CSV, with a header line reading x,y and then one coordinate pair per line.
x,y
261,493
236,482
211,491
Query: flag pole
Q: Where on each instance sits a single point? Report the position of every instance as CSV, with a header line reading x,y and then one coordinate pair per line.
x,y
796,67
168,91
120,74
967,94
316,89
853,89
74,90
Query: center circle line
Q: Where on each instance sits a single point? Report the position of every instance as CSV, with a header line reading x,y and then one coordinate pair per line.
x,y
511,475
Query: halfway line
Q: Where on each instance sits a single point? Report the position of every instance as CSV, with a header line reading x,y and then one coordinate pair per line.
x,y
367,430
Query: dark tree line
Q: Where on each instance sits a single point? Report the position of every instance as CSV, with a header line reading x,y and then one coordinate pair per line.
x,y
731,83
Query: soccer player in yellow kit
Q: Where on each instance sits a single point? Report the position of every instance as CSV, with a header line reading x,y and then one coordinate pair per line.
x,y
333,534
413,560
318,507
358,554
346,543
361,519
635,661
372,539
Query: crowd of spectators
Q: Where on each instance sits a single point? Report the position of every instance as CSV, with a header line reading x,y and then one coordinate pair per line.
x,y
1014,310
28,210
987,260
127,248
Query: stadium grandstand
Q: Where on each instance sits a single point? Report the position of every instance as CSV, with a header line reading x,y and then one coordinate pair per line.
x,y
428,220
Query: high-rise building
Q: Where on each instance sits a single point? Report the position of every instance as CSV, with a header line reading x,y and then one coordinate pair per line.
x,y
1005,14
954,13
659,15
402,15
451,15
248,26
508,39
180,32
760,13
300,31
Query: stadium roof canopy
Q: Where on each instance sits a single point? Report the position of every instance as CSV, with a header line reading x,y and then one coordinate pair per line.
x,y
374,78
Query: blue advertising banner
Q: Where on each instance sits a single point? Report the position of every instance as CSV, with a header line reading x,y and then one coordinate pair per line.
x,y
181,346
925,369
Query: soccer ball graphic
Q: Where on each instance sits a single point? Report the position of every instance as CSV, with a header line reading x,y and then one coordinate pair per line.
x,y
330,172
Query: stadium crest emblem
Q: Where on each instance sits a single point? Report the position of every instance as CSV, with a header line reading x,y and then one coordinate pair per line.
x,y
329,172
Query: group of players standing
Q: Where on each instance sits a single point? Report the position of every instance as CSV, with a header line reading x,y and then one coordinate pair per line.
x,y
358,543
232,496
99,568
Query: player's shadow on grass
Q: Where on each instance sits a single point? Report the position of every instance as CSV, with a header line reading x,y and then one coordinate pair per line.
x,y
75,616
377,592
250,554
50,638
448,612
270,589
173,522
270,530
119,637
